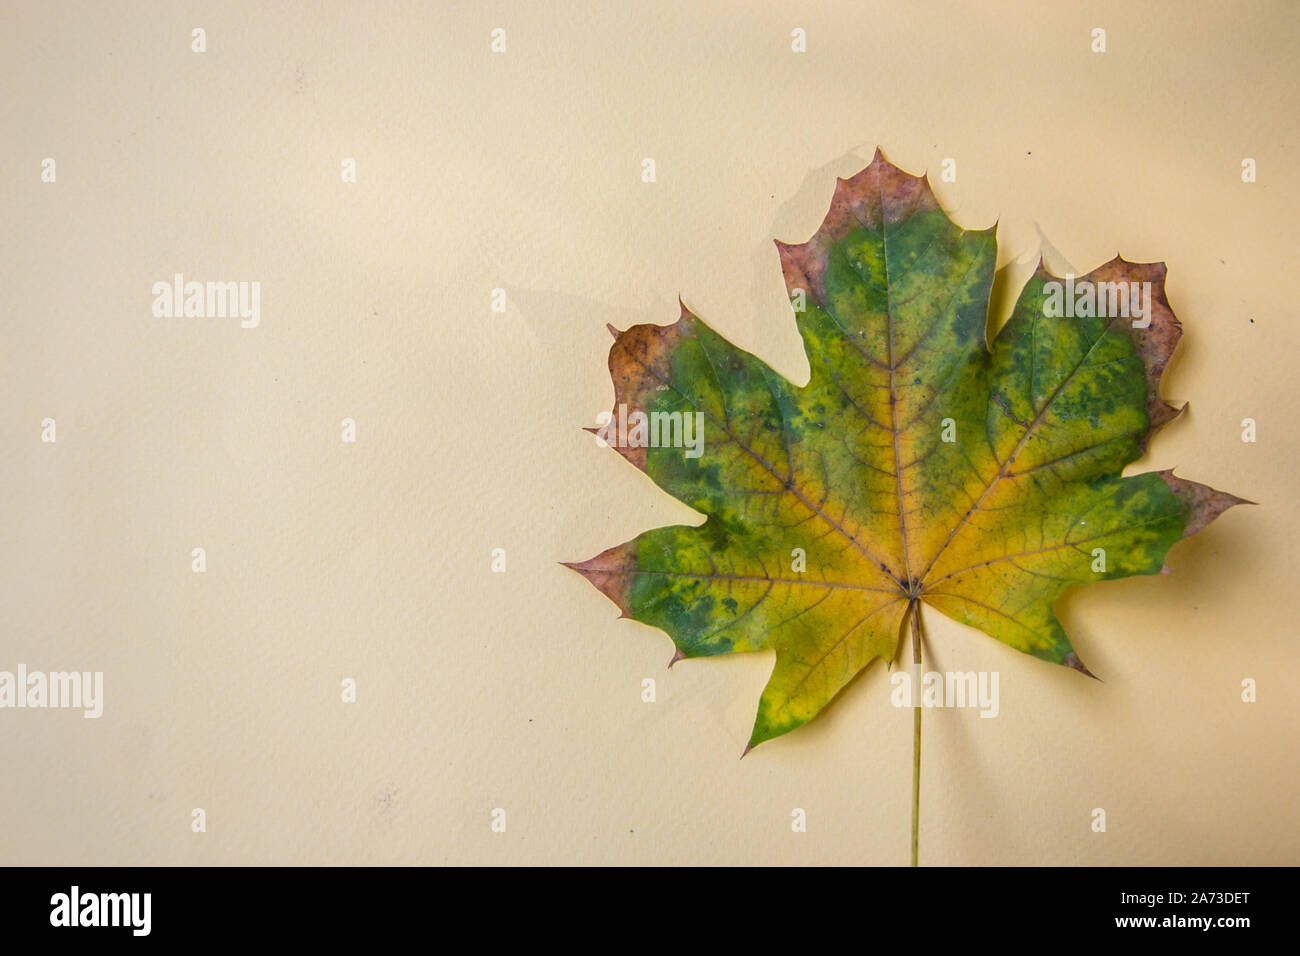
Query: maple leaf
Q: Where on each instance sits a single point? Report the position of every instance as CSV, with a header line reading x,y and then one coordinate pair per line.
x,y
918,464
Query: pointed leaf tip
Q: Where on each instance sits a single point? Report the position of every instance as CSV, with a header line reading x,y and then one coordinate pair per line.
x,y
1203,503
1072,661
609,572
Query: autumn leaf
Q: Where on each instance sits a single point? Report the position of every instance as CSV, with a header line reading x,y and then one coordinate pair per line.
x,y
918,463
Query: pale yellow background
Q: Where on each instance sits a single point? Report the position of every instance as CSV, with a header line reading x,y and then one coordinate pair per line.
x,y
371,561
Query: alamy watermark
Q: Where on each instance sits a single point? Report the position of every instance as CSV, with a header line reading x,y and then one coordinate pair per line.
x,y
53,690
636,429
951,689
208,300
76,908
1086,299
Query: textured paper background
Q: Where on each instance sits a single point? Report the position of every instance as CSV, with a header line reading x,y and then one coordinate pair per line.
x,y
522,170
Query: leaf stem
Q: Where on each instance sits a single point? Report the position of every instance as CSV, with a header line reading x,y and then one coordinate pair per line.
x,y
916,730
